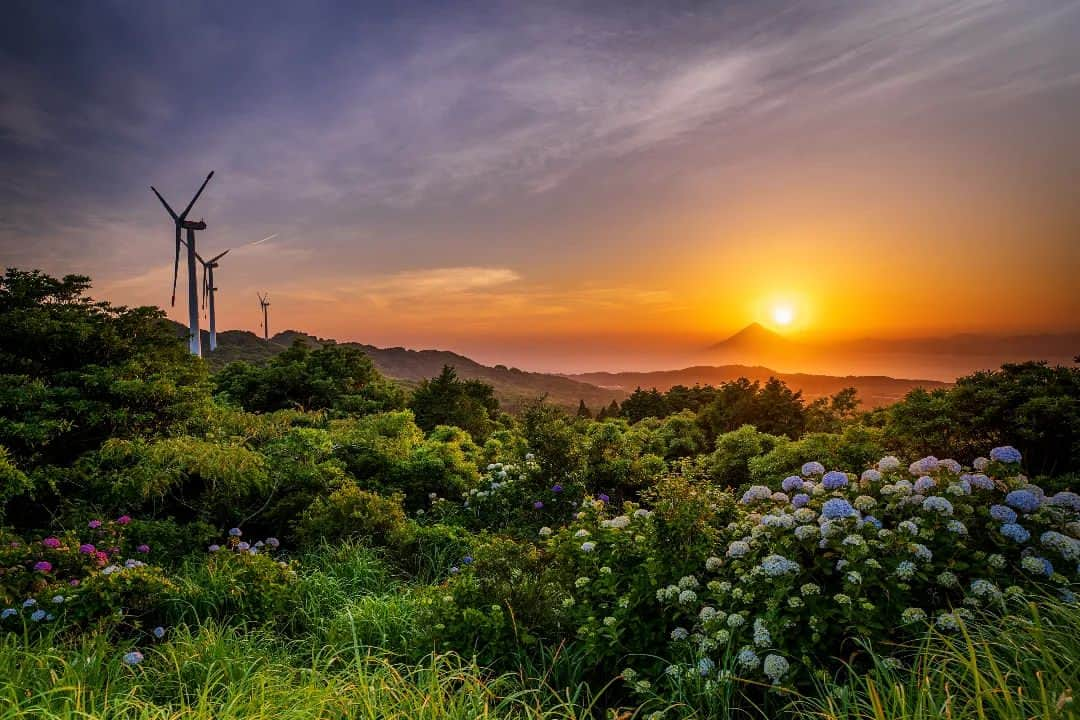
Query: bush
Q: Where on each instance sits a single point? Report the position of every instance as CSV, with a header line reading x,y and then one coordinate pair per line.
x,y
350,512
817,561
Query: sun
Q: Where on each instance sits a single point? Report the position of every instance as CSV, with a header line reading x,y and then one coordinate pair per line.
x,y
783,315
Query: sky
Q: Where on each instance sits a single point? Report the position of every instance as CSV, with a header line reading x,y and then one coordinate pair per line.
x,y
558,186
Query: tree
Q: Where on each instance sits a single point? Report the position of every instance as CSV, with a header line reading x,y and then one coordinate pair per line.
x,y
333,377
1030,405
75,372
829,414
773,409
583,410
445,400
644,403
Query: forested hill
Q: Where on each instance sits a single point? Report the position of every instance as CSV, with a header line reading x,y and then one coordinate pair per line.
x,y
513,386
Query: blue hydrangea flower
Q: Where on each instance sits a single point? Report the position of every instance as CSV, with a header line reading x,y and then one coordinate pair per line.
x,y
937,504
467,560
905,570
756,493
159,632
834,480
775,668
1065,499
1003,514
871,520
747,658
235,532
924,484
1067,547
1023,500
813,468
956,527
37,615
1037,565
1015,532
921,552
923,466
133,658
837,508
980,481
705,666
776,565
801,500
870,476
738,548
8,612
1005,454
792,483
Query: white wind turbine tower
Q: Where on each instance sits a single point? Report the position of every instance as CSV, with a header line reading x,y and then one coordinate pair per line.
x,y
209,290
264,302
182,223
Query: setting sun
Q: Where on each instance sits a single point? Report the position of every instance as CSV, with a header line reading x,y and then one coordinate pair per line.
x,y
783,314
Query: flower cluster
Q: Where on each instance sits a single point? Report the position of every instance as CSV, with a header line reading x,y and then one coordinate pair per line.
x,y
790,577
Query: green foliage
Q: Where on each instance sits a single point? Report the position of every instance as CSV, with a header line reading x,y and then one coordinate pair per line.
x,y
729,464
1012,667
446,400
75,373
332,377
389,453
236,585
856,446
1031,406
772,408
349,512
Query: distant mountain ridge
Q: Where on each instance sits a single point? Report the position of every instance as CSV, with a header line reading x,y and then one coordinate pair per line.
x,y
514,386
940,358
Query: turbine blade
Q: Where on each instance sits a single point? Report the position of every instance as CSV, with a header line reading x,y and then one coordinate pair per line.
x,y
176,266
201,261
191,204
260,242
219,256
173,214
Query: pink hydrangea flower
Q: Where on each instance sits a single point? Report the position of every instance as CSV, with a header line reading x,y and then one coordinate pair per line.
x,y
143,548
87,549
43,566
123,520
51,542
94,524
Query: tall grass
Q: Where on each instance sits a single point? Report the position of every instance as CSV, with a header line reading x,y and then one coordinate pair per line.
x,y
1023,666
221,673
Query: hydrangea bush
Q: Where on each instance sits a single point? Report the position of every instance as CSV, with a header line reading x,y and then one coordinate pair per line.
x,y
94,574
826,556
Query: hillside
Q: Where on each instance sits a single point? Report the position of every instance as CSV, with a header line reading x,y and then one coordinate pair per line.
x,y
514,386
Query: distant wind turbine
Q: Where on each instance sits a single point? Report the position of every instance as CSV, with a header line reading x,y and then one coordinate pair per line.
x,y
182,223
264,302
209,290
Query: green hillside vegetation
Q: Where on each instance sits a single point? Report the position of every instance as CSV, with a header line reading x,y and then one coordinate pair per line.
x,y
304,537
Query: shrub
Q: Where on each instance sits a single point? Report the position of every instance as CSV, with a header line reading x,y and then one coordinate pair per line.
x,y
350,512
799,574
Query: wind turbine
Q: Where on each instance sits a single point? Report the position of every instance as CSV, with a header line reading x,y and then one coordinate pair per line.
x,y
264,301
182,223
209,289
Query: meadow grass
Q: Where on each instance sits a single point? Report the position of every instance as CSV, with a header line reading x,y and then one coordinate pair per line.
x,y
1023,666
351,649
223,672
